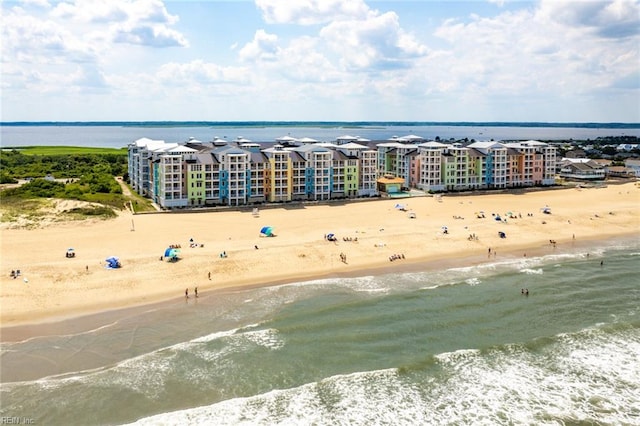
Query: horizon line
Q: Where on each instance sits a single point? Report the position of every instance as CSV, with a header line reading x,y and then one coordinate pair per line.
x,y
303,122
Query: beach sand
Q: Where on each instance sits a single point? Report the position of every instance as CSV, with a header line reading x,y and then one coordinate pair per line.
x,y
52,287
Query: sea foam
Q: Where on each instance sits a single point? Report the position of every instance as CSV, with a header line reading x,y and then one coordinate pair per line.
x,y
590,376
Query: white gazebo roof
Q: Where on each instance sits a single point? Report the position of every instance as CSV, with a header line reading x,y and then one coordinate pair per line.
x,y
410,138
307,140
353,145
347,138
181,149
486,145
148,142
433,144
164,147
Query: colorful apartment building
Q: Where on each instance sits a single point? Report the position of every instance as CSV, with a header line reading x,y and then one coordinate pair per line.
x,y
195,174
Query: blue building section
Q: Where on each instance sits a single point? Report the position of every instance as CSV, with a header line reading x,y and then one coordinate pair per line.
x,y
247,184
309,175
224,185
156,182
331,178
489,171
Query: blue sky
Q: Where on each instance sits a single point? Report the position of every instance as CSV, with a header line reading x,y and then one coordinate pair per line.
x,y
321,60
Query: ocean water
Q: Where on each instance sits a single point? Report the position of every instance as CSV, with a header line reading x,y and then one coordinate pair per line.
x,y
117,135
457,346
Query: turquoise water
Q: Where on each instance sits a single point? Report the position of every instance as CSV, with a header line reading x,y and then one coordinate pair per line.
x,y
454,346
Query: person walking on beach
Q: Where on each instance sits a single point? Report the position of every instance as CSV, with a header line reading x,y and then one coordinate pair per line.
x,y
186,293
195,290
209,275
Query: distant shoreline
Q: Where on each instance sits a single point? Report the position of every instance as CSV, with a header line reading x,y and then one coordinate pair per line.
x,y
342,124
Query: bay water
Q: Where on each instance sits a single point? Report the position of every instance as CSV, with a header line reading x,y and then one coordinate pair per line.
x,y
118,135
457,345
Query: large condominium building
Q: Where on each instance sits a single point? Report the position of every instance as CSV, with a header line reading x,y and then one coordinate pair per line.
x,y
239,173
484,165
196,174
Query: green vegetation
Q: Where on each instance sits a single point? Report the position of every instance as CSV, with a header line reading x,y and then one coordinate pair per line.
x,y
66,150
70,173
138,203
95,188
61,162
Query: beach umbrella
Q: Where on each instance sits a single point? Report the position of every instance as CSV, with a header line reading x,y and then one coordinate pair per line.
x,y
266,231
171,253
112,262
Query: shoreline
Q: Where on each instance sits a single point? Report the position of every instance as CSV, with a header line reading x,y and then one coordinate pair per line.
x,y
62,291
73,324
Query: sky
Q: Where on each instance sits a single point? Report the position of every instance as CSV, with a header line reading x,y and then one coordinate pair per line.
x,y
320,60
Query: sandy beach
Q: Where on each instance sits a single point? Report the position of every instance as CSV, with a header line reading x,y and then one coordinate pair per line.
x,y
368,235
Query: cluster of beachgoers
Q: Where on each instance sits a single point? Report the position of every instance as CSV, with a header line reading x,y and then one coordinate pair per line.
x,y
62,287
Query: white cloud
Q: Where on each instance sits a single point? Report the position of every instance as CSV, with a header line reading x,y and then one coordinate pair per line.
x,y
263,47
311,12
38,3
611,19
302,61
527,52
377,43
32,40
355,36
327,59
67,47
100,11
202,73
142,22
148,35
89,11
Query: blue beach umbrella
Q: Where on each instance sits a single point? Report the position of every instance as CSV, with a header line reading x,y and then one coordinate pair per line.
x,y
113,262
266,231
171,253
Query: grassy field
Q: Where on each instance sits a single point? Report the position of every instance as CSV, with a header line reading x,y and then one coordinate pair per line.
x,y
66,150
